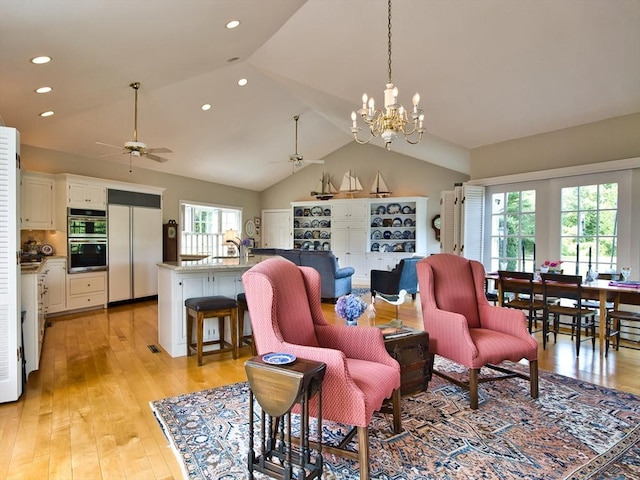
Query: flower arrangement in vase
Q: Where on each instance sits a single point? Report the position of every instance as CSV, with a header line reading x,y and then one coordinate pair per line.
x,y
350,307
551,266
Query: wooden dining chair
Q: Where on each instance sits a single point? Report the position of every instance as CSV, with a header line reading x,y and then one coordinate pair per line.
x,y
618,319
568,290
517,292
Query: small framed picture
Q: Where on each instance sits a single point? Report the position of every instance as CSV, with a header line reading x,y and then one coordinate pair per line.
x,y
256,220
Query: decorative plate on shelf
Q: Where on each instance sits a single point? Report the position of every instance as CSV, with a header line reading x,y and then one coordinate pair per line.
x,y
296,224
398,247
408,222
397,234
46,249
279,358
376,222
406,234
298,212
325,235
381,210
317,211
308,234
306,224
327,212
384,248
305,246
406,210
397,222
393,208
326,246
376,235
408,247
386,235
325,223
315,223
375,247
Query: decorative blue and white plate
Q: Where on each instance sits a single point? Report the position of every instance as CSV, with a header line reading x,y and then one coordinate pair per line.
x,y
279,358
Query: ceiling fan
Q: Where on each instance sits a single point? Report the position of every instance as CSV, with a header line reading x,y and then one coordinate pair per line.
x,y
296,158
134,147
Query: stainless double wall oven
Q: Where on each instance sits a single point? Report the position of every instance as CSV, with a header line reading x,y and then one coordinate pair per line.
x,y
87,240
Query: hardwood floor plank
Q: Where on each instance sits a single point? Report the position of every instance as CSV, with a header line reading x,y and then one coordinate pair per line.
x,y
85,413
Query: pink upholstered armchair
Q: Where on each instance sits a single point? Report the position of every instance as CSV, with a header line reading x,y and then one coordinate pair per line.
x,y
466,329
286,316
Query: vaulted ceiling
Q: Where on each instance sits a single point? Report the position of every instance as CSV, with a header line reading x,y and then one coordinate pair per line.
x,y
487,71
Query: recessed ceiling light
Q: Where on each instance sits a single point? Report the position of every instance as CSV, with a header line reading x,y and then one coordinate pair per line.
x,y
233,24
40,60
43,90
206,107
242,82
47,113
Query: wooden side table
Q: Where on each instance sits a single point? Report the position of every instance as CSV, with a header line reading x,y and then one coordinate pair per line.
x,y
277,388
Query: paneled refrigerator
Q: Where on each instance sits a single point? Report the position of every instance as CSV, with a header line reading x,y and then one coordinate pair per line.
x,y
135,244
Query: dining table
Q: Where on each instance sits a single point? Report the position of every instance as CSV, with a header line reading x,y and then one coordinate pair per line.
x,y
602,290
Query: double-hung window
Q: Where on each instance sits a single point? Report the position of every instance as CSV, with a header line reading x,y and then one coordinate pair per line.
x,y
203,228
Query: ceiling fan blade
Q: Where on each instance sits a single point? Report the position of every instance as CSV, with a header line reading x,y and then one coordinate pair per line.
x,y
159,150
124,152
313,161
108,145
155,158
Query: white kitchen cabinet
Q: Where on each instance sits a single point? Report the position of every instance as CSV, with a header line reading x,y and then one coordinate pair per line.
x,y
86,290
37,205
135,248
55,270
349,235
349,212
11,350
86,195
177,285
32,302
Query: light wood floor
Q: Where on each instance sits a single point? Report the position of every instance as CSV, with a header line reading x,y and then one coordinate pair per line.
x,y
85,414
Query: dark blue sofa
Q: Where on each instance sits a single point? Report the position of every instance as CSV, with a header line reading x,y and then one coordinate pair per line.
x,y
335,281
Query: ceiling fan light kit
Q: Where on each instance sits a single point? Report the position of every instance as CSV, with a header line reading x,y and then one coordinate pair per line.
x,y
394,119
296,158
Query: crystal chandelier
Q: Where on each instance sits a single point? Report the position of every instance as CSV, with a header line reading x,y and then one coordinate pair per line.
x,y
394,119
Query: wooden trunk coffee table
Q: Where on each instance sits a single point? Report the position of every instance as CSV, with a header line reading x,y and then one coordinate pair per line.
x,y
410,348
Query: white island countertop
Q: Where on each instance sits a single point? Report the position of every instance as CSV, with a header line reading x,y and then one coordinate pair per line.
x,y
226,263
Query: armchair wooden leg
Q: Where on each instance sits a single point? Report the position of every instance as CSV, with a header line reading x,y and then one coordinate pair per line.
x,y
397,419
363,452
533,378
473,388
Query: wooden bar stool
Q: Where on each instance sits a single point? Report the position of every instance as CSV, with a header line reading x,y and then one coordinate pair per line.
x,y
208,307
242,338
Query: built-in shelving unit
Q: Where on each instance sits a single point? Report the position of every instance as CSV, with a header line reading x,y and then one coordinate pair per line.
x,y
312,226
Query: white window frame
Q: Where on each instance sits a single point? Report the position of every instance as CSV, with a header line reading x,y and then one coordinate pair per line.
x,y
213,245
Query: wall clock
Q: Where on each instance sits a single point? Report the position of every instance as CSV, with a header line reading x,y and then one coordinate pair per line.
x,y
250,228
171,231
435,224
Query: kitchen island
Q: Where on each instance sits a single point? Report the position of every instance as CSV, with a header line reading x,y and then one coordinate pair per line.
x,y
178,281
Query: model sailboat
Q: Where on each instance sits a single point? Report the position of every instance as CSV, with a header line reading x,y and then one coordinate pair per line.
x,y
350,184
324,190
379,187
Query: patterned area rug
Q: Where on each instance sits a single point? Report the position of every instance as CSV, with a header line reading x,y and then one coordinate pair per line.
x,y
575,430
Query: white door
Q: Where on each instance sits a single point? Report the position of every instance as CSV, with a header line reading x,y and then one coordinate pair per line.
x,y
10,339
276,229
119,253
147,250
